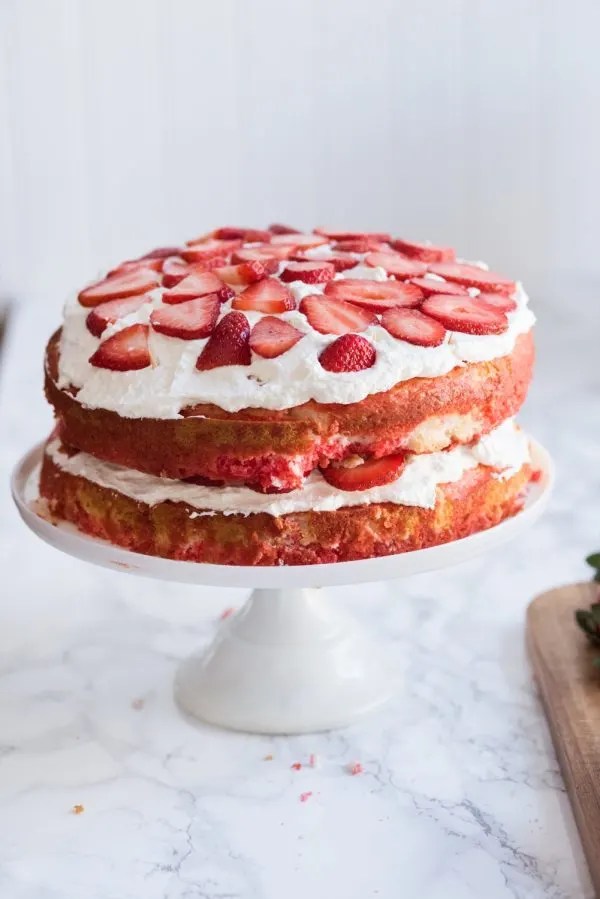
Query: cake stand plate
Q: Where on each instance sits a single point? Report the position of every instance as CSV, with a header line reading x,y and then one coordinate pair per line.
x,y
288,661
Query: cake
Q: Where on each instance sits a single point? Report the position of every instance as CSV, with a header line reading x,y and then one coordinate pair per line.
x,y
274,397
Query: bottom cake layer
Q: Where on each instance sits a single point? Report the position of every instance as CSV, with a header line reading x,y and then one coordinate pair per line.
x,y
479,499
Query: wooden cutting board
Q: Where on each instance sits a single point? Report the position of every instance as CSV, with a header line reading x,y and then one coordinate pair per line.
x,y
569,686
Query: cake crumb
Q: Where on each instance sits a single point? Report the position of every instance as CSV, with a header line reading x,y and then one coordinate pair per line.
x,y
138,704
297,766
355,768
77,810
305,796
313,760
268,758
227,613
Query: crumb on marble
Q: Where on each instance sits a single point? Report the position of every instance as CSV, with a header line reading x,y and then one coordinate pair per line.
x,y
227,613
313,760
77,809
305,796
268,758
138,704
297,766
355,768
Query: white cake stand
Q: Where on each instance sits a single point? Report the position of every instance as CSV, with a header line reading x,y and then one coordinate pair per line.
x,y
287,662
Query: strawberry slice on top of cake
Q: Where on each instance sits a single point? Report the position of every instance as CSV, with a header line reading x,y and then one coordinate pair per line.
x,y
275,396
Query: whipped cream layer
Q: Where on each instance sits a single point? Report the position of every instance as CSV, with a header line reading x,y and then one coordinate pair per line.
x,y
294,378
506,450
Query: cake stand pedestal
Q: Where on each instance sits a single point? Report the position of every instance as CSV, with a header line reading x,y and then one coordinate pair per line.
x,y
288,661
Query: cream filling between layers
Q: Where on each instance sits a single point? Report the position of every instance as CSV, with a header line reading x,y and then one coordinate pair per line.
x,y
506,449
294,378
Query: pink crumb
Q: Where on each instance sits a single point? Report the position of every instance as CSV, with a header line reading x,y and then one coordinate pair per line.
x,y
305,796
297,766
137,704
355,768
227,613
313,760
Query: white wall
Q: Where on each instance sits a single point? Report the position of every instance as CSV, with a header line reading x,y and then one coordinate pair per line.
x,y
127,123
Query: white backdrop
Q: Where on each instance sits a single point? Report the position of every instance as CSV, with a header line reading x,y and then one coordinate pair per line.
x,y
130,123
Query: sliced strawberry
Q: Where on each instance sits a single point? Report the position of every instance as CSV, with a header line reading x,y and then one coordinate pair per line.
x,y
268,295
127,350
197,285
188,321
244,273
228,345
472,276
398,266
498,301
465,314
340,261
269,258
175,270
302,241
136,265
247,235
432,285
315,272
210,249
328,315
362,245
161,253
129,284
364,475
330,234
273,336
426,252
282,229
375,295
414,327
350,352
107,314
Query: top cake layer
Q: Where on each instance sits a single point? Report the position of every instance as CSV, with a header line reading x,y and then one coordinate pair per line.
x,y
262,319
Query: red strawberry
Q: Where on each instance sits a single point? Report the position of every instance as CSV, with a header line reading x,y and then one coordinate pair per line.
x,y
328,315
175,270
432,285
197,285
364,475
414,327
362,245
375,295
161,253
398,266
127,350
273,336
315,272
244,273
247,235
129,284
209,249
498,301
340,261
353,235
108,313
136,265
302,241
282,229
267,295
472,276
228,345
426,252
188,321
268,258
465,314
350,352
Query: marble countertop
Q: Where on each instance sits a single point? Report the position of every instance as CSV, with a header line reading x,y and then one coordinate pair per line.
x,y
460,797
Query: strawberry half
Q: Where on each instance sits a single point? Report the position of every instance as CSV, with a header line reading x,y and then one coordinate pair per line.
x,y
209,249
197,285
375,295
268,295
118,287
175,270
273,336
161,253
472,276
330,234
247,235
465,314
350,352
426,252
127,350
188,321
364,475
268,258
107,314
498,301
414,327
228,345
328,315
432,285
398,266
136,265
340,261
282,229
362,245
302,241
244,273
315,272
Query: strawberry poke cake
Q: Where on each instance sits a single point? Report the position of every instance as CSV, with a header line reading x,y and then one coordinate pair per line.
x,y
275,397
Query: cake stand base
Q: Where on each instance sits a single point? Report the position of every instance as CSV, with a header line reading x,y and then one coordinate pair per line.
x,y
287,662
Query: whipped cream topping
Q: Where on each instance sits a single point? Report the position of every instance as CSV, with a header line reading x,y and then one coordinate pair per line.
x,y
173,382
506,449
